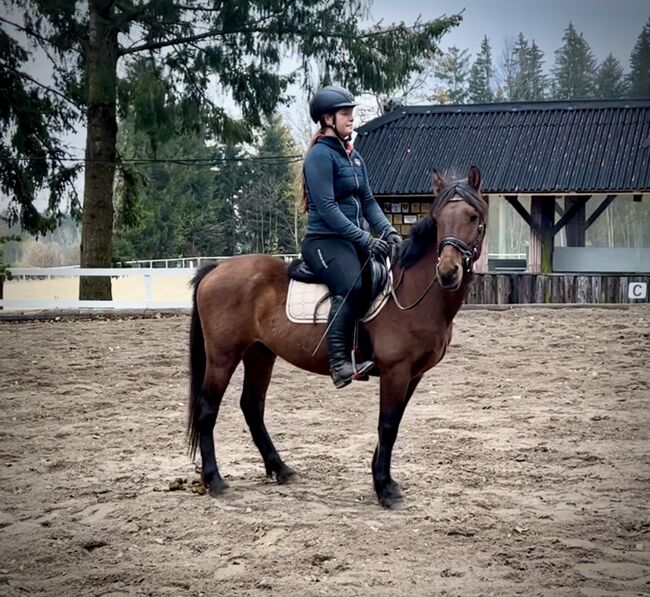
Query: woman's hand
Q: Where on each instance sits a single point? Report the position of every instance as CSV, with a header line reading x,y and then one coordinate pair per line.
x,y
394,238
394,241
379,248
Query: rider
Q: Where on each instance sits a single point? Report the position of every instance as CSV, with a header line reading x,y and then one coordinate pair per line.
x,y
336,198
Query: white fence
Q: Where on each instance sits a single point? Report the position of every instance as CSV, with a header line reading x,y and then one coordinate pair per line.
x,y
145,274
158,268
192,261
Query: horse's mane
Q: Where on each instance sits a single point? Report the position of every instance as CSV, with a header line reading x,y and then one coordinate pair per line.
x,y
424,234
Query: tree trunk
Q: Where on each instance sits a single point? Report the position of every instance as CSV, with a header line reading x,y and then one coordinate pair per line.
x,y
97,222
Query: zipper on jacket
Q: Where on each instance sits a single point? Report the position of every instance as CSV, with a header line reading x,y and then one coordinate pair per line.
x,y
356,182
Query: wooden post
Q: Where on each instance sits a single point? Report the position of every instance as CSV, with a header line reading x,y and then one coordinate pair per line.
x,y
575,228
481,264
583,289
541,243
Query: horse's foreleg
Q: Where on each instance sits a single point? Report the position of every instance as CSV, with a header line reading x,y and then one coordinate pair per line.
x,y
396,389
215,384
258,366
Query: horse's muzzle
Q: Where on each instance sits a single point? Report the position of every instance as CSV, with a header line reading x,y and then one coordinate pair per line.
x,y
450,280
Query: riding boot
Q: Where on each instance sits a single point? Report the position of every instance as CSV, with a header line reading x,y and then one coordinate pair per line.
x,y
341,320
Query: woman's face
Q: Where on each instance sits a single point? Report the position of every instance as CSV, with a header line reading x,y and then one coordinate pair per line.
x,y
344,121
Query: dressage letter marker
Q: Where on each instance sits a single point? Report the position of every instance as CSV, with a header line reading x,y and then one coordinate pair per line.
x,y
637,291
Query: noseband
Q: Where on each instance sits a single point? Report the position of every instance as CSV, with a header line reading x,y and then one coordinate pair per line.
x,y
469,252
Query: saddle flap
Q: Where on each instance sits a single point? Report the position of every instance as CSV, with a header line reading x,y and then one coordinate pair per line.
x,y
309,302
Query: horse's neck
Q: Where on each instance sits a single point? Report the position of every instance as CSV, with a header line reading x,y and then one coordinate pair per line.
x,y
440,306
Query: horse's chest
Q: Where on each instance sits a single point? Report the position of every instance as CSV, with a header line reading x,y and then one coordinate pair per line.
x,y
436,349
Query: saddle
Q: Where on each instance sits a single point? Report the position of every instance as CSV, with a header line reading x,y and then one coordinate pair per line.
x,y
308,298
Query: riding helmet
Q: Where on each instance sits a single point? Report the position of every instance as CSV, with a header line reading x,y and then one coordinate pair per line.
x,y
328,100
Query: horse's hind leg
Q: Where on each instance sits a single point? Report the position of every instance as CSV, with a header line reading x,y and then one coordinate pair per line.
x,y
216,381
258,366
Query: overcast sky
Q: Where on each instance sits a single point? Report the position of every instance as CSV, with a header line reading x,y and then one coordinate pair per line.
x,y
608,25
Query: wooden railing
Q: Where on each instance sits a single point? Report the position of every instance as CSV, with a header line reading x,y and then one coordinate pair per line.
x,y
524,288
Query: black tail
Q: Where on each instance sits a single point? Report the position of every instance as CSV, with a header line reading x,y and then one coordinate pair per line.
x,y
197,363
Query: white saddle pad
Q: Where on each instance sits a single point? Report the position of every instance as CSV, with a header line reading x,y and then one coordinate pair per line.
x,y
302,299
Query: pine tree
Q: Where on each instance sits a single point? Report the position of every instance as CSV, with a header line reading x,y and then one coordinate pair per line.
x,y
268,203
639,77
518,82
525,81
537,79
610,81
575,67
32,117
452,69
236,44
481,75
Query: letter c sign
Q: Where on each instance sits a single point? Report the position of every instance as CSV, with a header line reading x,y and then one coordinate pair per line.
x,y
637,291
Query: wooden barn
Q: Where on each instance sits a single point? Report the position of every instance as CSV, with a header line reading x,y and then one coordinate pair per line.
x,y
568,185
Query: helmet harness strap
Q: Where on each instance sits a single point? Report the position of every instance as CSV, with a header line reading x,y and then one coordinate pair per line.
x,y
333,127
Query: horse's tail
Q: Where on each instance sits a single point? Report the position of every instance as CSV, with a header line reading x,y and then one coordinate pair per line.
x,y
197,363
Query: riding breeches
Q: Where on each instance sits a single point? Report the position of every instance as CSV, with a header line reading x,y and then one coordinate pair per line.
x,y
337,262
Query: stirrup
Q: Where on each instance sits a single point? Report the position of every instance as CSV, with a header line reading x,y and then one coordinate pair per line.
x,y
360,374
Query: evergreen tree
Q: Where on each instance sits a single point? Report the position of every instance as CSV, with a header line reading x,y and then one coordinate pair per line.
x,y
481,75
575,67
237,44
175,213
517,84
452,69
639,77
537,79
610,81
230,200
267,205
32,117
526,79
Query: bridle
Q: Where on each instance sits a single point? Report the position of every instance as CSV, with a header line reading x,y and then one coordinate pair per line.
x,y
469,253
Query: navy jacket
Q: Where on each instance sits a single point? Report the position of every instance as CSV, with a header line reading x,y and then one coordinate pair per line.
x,y
339,195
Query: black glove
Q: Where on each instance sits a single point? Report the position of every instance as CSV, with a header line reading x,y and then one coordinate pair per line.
x,y
379,248
394,238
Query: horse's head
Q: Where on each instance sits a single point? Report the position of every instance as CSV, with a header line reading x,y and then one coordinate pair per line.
x,y
460,214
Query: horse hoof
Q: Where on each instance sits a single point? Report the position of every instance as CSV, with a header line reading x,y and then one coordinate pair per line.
x,y
286,475
391,497
217,488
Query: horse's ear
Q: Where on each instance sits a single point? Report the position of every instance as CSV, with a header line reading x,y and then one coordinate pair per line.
x,y
474,178
439,183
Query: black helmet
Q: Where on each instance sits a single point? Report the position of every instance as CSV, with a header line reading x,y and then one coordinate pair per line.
x,y
328,100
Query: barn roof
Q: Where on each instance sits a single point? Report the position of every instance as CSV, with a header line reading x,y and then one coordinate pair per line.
x,y
539,147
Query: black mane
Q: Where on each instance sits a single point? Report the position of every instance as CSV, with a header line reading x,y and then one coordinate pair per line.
x,y
424,234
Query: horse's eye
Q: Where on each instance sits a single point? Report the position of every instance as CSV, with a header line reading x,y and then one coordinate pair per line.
x,y
473,218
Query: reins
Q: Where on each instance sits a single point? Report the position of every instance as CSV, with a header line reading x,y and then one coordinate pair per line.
x,y
393,292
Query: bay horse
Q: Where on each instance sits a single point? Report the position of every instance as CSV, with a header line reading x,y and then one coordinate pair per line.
x,y
239,315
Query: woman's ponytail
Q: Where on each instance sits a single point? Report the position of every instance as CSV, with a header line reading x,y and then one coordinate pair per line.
x,y
303,202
